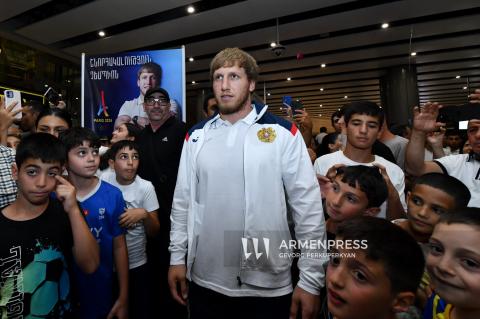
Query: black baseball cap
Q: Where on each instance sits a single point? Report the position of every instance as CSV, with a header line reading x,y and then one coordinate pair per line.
x,y
150,91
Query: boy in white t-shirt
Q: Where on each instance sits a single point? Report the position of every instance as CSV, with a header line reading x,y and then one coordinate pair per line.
x,y
363,120
140,219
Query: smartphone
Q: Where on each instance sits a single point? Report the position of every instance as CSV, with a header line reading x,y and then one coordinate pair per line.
x,y
13,96
296,105
52,96
458,113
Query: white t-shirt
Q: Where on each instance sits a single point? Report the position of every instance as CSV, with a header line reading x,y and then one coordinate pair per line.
x,y
139,194
468,172
323,164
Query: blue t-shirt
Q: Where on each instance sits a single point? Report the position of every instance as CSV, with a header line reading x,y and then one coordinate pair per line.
x,y
102,208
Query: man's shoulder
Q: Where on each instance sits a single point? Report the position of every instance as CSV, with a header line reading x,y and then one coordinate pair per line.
x,y
391,167
268,119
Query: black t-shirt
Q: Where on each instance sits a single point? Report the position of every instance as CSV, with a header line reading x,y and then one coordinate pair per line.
x,y
160,153
34,259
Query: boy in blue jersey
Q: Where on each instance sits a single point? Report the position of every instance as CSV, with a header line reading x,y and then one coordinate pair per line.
x,y
102,205
39,235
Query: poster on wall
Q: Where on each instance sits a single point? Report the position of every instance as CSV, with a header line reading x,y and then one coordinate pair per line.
x,y
113,86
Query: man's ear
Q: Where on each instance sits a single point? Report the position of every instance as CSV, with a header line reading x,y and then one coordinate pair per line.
x,y
403,301
252,86
409,193
15,172
110,163
372,211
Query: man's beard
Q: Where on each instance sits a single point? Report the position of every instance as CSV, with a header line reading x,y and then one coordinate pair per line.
x,y
226,111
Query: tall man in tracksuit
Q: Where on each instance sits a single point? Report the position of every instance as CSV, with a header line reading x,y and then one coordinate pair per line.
x,y
230,235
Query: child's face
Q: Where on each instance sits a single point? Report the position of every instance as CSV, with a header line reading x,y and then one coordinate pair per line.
x,y
126,165
83,160
36,180
454,263
358,287
343,201
362,131
425,204
13,141
120,133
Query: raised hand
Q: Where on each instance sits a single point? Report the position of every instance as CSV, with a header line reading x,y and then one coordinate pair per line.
x,y
425,117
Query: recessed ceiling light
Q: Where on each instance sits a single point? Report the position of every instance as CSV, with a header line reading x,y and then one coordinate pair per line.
x,y
457,77
320,115
101,33
464,87
323,65
413,53
76,98
46,85
345,97
269,94
190,9
321,89
289,79
385,25
193,82
273,44
321,105
191,59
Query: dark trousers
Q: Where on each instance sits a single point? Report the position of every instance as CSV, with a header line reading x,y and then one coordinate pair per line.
x,y
139,293
208,304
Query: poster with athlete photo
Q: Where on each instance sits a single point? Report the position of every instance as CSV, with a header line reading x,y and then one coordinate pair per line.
x,y
113,86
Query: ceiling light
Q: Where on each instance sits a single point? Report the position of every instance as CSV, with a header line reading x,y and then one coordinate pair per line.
x,y
321,105
323,65
268,94
321,89
193,82
191,59
273,44
46,85
190,9
345,97
457,77
464,87
385,25
289,79
320,115
101,33
413,53
76,98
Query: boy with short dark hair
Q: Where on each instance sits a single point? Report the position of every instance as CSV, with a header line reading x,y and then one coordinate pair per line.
x,y
140,218
39,235
453,263
364,120
432,195
381,278
355,191
102,206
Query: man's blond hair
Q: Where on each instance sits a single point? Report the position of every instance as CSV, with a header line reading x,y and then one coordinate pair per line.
x,y
234,56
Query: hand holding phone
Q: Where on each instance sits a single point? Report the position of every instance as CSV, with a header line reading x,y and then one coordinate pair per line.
x,y
12,96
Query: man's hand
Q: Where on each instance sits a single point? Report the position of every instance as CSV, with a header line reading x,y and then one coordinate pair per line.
x,y
132,216
119,310
305,302
177,277
325,182
475,97
302,119
66,194
425,117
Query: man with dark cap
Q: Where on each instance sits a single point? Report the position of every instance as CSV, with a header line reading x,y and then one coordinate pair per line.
x,y
160,146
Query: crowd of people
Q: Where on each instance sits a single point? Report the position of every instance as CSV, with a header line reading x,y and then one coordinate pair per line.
x,y
244,215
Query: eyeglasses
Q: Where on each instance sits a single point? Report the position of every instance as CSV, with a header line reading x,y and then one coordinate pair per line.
x,y
150,101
